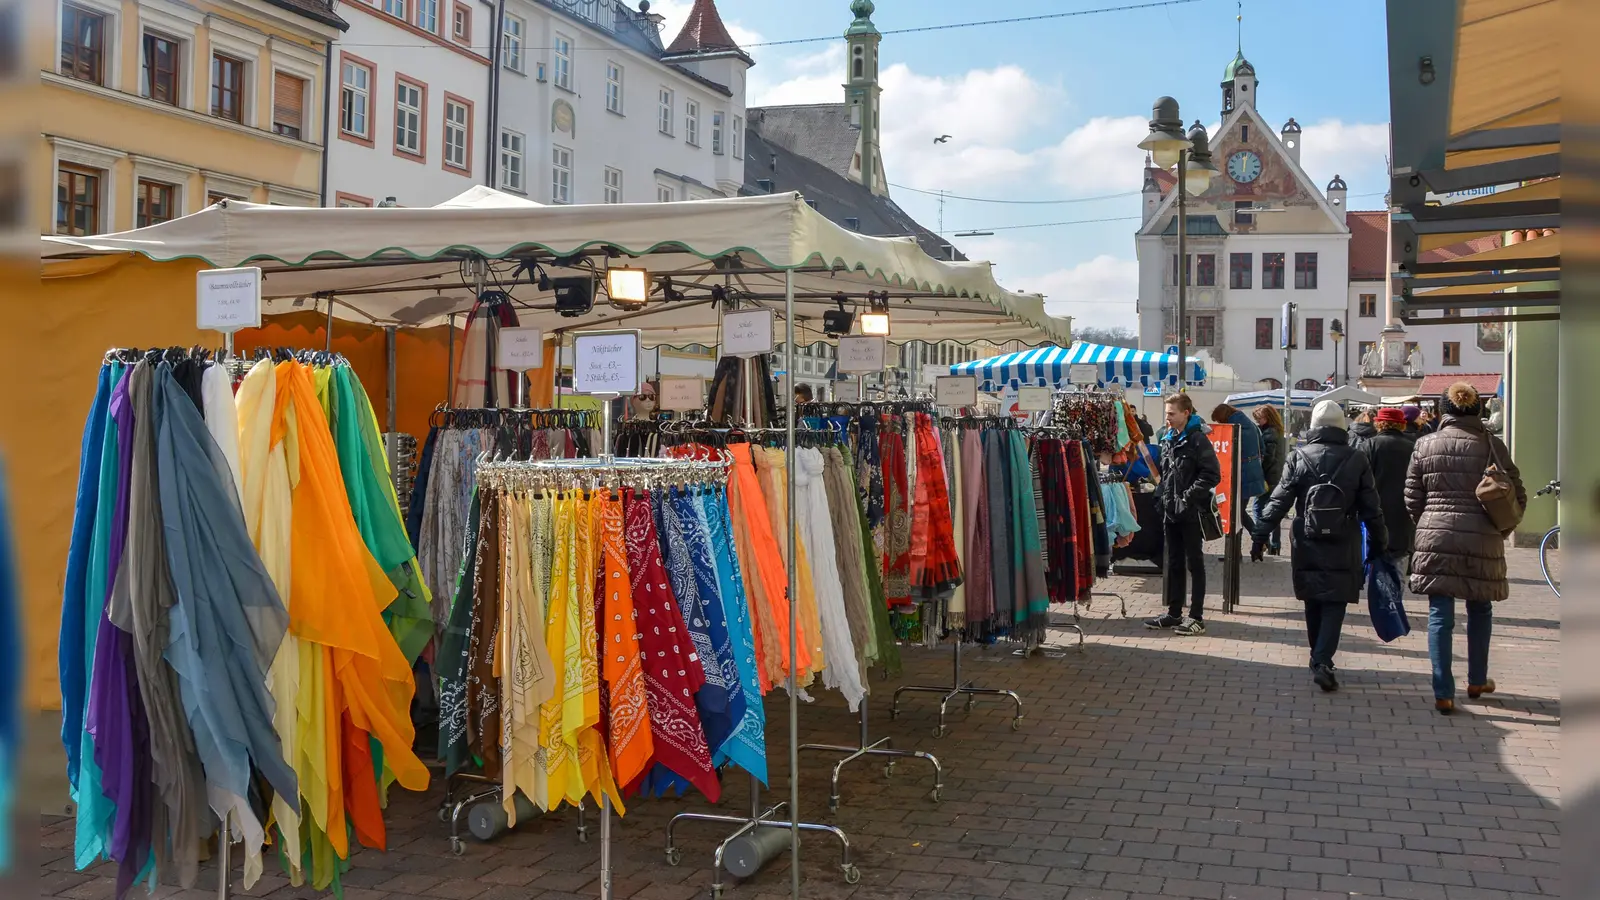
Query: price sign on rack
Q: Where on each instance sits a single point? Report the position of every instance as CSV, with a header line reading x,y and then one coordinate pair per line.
x,y
680,394
1033,399
1084,373
605,362
520,349
955,391
847,391
747,332
860,354
227,300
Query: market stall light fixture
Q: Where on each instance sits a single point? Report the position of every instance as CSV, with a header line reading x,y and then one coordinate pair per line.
x,y
837,322
628,287
1166,137
876,322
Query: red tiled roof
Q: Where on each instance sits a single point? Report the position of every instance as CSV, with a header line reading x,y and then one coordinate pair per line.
x,y
1487,384
1167,180
1465,248
1369,244
703,31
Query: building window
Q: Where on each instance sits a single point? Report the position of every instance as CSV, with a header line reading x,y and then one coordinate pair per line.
x,y
1305,271
665,194
155,203
355,96
511,44
716,132
691,123
1264,330
457,128
351,201
408,105
1313,334
1272,271
511,145
1452,353
1244,132
1369,306
461,23
665,115
1452,313
1241,268
428,15
562,62
1205,331
396,8
83,45
215,197
560,175
1188,269
288,104
1205,270
738,137
613,192
78,200
613,87
1242,214
160,74
1307,384
227,88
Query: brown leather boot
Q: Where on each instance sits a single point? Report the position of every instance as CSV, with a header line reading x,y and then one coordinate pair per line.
x,y
1445,707
1474,691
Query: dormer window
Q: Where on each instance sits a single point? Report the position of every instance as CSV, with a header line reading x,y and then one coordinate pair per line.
x,y
1244,132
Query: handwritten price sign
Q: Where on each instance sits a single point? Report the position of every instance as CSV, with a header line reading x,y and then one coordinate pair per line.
x,y
747,332
861,354
679,394
605,362
227,300
520,349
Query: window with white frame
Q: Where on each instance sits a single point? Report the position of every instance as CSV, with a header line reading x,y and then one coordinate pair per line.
x,y
665,193
613,192
691,123
716,132
355,99
511,147
560,174
665,115
738,137
561,57
511,43
613,87
457,123
396,8
408,118
428,15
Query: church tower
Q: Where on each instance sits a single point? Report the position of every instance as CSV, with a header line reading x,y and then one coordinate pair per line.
x,y
862,95
1238,85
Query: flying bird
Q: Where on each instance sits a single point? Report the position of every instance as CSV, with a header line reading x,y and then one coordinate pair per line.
x,y
943,138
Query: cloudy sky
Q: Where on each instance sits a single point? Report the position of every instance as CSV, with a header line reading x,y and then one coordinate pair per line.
x,y
1051,111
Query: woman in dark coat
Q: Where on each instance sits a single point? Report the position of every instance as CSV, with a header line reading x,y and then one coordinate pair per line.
x,y
1457,552
1252,480
1389,453
1327,569
1274,450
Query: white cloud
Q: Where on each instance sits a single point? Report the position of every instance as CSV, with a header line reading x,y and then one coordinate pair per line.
x,y
812,78
1101,156
1102,292
1357,151
985,111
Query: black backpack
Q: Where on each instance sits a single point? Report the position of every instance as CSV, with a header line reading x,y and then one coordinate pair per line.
x,y
1326,510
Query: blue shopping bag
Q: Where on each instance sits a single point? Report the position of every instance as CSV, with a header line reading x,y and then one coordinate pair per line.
x,y
1385,599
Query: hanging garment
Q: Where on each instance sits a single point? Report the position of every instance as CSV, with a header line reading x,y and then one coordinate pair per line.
x,y
975,501
936,567
72,660
843,671
772,467
222,418
897,513
765,575
10,673
1002,566
1030,615
956,609
628,733
1083,540
847,545
746,748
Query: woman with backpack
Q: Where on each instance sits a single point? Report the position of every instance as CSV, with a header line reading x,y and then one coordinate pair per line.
x,y
1331,485
1458,552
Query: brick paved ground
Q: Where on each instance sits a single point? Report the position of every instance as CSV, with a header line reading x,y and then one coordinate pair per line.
x,y
1147,766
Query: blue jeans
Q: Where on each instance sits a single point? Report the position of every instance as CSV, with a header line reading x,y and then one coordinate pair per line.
x,y
1441,626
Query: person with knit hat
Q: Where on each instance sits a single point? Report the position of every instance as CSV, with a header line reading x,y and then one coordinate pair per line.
x,y
1459,554
1412,412
1389,451
1330,485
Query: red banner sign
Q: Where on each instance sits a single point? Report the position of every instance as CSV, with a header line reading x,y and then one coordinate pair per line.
x,y
1222,440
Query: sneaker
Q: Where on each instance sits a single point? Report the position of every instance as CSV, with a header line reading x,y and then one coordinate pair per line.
x,y
1323,676
1163,622
1190,628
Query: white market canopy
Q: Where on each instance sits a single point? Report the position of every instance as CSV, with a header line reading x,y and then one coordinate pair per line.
x,y
1304,399
411,267
1052,367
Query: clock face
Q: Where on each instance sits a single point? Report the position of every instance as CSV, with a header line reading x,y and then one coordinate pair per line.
x,y
1244,166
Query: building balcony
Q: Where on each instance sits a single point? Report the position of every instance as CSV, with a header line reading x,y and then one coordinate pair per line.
x,y
599,13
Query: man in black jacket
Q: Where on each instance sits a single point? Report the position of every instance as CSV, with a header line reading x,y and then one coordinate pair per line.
x,y
1189,471
1389,453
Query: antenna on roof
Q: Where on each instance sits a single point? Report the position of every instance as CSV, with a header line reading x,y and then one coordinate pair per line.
x,y
1239,23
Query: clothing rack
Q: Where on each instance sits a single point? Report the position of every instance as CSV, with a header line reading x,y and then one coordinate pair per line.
x,y
957,688
882,747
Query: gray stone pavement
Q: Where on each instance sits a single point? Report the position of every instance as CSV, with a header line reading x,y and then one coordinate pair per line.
x,y
1148,765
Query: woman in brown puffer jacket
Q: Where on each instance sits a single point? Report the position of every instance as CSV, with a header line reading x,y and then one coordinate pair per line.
x,y
1458,553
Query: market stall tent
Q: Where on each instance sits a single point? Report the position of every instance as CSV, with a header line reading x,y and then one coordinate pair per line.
x,y
1052,367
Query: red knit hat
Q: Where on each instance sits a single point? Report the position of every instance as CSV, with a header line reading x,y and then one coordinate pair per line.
x,y
1390,414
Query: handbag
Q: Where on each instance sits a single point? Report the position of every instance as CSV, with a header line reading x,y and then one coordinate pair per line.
x,y
1497,494
1385,599
1211,520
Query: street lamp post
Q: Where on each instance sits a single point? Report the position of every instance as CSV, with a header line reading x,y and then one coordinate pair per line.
x,y
1336,331
1190,153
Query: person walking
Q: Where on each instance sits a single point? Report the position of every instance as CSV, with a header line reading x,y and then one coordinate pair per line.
x,y
1362,429
1389,453
1331,486
1252,474
1458,553
1274,449
1189,472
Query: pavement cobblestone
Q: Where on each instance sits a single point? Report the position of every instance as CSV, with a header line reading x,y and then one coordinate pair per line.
x,y
1147,765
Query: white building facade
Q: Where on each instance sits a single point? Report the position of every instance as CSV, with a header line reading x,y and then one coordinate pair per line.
x,y
410,85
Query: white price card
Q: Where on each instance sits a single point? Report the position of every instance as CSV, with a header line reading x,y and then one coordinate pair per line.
x,y
227,300
847,391
520,349
955,391
1084,373
1033,399
862,354
605,362
680,394
781,389
747,332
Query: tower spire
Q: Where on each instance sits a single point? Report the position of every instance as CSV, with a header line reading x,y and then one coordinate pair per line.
x,y
1239,24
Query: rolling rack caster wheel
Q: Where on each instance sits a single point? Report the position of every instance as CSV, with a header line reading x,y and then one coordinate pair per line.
x,y
444,814
936,793
852,875
833,804
888,770
457,847
674,856
716,892
938,731
1016,724
970,702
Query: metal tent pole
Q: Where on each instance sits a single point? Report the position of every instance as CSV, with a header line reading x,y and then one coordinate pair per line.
x,y
794,607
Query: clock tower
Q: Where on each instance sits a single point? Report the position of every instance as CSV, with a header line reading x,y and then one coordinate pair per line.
x,y
1238,85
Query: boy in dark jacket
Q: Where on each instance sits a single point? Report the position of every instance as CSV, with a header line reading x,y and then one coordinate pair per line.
x,y
1189,471
1389,453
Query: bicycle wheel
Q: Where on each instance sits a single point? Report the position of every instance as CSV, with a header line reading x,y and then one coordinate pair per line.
x,y
1544,560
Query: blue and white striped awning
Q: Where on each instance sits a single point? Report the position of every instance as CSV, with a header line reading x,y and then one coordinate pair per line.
x,y
1297,399
1052,367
